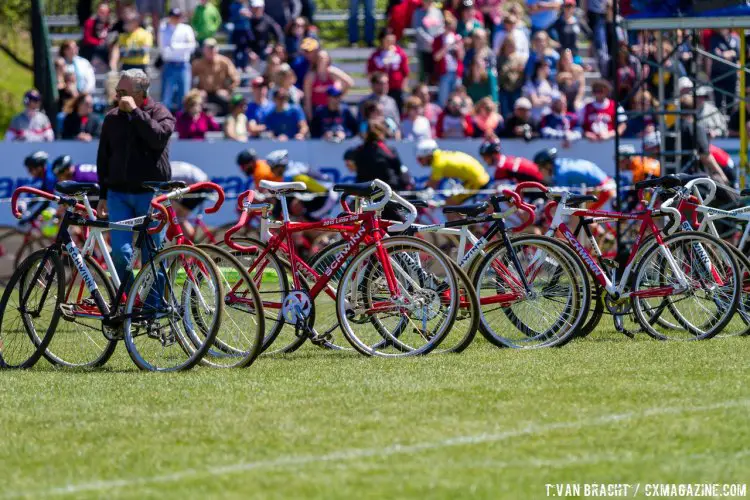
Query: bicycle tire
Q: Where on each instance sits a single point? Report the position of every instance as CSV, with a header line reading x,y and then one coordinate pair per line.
x,y
168,295
469,309
102,348
230,350
564,328
344,303
639,305
15,300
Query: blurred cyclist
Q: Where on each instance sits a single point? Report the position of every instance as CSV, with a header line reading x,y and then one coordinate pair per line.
x,y
65,170
508,168
37,164
452,165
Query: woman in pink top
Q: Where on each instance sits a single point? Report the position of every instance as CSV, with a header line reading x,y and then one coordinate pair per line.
x,y
393,61
317,82
193,122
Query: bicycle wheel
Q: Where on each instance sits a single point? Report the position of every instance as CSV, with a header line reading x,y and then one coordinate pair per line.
x,y
29,309
79,341
414,319
11,240
271,278
549,313
707,301
240,339
739,325
159,327
465,328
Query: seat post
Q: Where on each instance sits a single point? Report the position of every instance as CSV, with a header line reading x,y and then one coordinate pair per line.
x,y
284,208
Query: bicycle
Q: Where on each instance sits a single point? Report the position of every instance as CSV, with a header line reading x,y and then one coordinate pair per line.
x,y
154,318
239,341
395,310
685,267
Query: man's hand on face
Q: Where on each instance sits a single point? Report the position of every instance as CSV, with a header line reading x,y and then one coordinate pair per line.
x,y
101,210
127,104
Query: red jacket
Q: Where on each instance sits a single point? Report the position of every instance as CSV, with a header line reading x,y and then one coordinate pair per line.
x,y
441,65
596,117
400,16
393,63
94,32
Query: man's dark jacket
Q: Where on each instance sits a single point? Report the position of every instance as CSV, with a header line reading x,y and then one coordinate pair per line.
x,y
134,148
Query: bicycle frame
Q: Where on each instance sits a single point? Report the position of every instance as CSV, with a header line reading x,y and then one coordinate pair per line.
x,y
647,224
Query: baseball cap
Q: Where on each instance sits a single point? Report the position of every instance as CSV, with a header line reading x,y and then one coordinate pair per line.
x,y
652,140
626,149
32,95
522,103
257,3
334,91
210,42
259,81
236,99
570,2
175,12
684,83
703,91
468,3
309,44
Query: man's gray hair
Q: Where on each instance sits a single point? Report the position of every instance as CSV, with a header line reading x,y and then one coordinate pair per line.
x,y
140,79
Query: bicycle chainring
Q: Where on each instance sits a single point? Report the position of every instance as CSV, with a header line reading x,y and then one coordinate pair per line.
x,y
297,306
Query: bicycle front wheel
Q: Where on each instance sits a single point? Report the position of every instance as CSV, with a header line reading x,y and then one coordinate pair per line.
x,y
239,342
161,327
402,306
531,295
695,277
30,309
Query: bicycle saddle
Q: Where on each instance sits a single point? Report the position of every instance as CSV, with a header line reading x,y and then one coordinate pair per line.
x,y
163,186
361,189
470,210
282,187
573,200
668,181
72,188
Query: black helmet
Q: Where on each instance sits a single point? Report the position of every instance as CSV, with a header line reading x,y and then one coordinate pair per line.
x,y
278,158
350,154
247,156
489,148
61,164
545,156
38,159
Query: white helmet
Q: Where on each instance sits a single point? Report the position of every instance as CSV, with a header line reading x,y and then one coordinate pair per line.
x,y
426,147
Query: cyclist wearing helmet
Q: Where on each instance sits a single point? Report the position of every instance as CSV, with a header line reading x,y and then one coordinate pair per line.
x,y
575,173
452,165
65,170
37,164
508,168
257,169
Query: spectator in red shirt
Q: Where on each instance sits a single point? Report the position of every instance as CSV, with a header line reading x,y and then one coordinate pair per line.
x,y
393,61
598,117
193,122
95,31
322,77
453,123
448,50
400,16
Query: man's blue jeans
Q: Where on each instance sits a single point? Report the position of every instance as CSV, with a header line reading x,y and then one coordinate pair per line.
x,y
369,21
123,206
175,82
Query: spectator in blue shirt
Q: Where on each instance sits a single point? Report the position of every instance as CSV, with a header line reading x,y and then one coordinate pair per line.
x,y
258,107
560,123
285,121
335,121
540,50
543,13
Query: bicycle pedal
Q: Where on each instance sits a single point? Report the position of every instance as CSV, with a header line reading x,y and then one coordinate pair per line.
x,y
66,311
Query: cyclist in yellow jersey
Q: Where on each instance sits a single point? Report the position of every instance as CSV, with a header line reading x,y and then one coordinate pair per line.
x,y
452,165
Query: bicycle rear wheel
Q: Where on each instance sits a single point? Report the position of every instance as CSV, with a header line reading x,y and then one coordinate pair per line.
x,y
411,321
79,341
705,305
160,327
240,339
465,328
30,309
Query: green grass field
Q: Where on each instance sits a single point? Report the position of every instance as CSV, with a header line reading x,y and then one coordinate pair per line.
x,y
487,423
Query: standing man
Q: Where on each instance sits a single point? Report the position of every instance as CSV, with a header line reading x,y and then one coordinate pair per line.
x,y
133,44
176,45
133,149
217,76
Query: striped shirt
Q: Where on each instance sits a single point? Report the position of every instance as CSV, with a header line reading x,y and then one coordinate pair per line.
x,y
34,128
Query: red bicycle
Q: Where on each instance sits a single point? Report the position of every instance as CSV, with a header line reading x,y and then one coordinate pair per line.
x,y
397,296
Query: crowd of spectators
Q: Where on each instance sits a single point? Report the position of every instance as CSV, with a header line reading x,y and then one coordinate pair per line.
x,y
487,68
